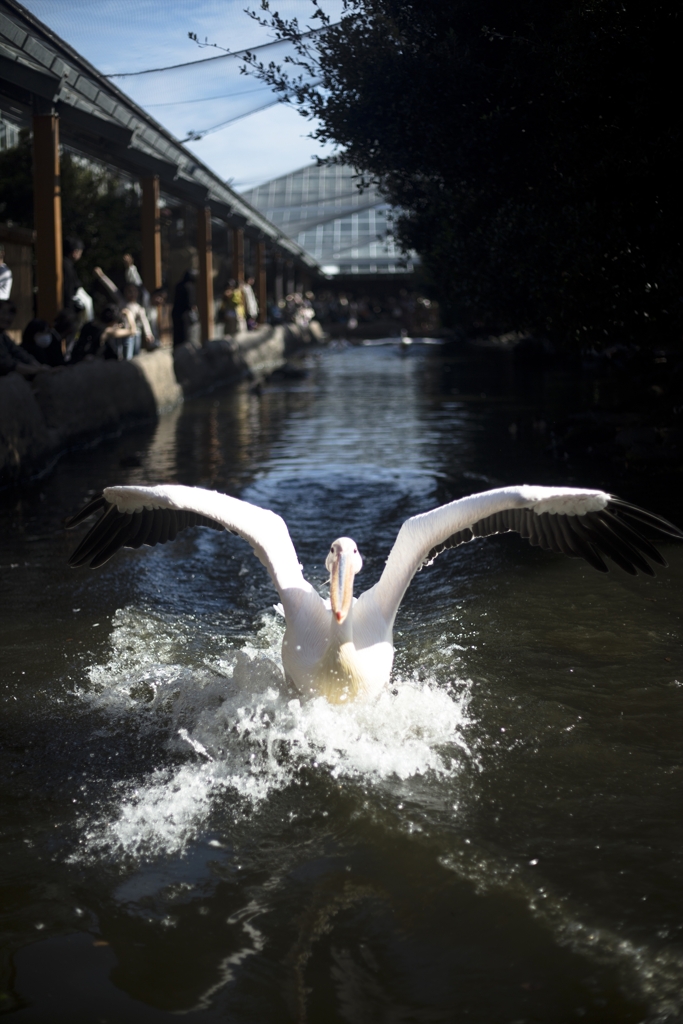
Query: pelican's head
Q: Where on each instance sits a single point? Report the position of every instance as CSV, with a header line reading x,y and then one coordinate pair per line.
x,y
343,562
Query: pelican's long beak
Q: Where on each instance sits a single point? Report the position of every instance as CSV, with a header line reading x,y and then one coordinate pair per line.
x,y
341,585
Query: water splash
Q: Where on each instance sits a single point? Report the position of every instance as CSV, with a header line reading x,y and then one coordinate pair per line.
x,y
242,735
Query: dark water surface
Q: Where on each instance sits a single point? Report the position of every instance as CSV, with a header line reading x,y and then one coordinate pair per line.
x,y
498,839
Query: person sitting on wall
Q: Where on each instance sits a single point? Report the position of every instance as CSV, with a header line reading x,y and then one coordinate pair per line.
x,y
143,330
138,301
5,276
66,326
43,343
103,337
13,357
133,313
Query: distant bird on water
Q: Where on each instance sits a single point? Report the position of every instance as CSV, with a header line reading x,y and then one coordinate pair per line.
x,y
342,648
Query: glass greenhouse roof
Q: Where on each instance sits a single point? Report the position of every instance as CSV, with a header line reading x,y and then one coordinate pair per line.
x,y
343,229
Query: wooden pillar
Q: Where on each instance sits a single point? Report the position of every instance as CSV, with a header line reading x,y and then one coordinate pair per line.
x,y
238,255
205,283
47,215
279,283
151,234
291,283
261,284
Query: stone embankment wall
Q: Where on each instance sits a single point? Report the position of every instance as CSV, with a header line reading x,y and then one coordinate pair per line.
x,y
78,405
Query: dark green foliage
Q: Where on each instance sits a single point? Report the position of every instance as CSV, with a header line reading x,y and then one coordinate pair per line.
x,y
103,212
97,206
534,147
16,183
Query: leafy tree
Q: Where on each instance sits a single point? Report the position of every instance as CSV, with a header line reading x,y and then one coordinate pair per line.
x,y
103,211
97,206
16,182
532,149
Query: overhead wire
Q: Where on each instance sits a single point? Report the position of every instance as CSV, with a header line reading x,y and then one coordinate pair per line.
x,y
196,136
154,77
219,56
185,91
206,99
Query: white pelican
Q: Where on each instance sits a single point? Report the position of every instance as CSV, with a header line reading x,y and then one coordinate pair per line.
x,y
342,647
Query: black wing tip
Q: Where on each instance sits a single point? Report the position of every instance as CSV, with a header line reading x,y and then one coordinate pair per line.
x,y
77,559
115,530
88,510
651,519
99,560
596,561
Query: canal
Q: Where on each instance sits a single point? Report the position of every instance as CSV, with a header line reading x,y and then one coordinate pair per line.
x,y
497,839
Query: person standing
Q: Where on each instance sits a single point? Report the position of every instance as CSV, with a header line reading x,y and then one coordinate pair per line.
x,y
73,250
185,314
132,275
103,337
232,310
226,312
5,277
158,316
250,303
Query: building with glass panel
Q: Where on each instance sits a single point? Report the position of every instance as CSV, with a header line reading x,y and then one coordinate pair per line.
x,y
344,230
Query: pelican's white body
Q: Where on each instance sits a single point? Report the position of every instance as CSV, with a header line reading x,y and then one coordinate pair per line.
x,y
342,661
351,659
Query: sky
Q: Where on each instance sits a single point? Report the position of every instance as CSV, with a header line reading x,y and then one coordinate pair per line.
x,y
264,140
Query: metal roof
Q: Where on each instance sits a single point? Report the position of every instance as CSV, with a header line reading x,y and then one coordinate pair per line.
x,y
39,71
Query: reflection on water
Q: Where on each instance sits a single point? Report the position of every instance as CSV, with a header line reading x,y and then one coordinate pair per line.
x,y
495,839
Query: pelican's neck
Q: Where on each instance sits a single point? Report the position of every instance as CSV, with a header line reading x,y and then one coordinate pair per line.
x,y
342,632
338,675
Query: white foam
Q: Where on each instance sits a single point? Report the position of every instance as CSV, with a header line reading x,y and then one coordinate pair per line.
x,y
247,735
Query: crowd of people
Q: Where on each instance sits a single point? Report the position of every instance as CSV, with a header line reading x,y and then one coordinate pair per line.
x,y
345,312
297,308
117,323
407,310
239,309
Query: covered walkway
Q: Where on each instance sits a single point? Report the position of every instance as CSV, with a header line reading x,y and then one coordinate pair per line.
x,y
49,88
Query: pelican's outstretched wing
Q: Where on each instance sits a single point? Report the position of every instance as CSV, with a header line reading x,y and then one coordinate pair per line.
x,y
134,516
572,521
